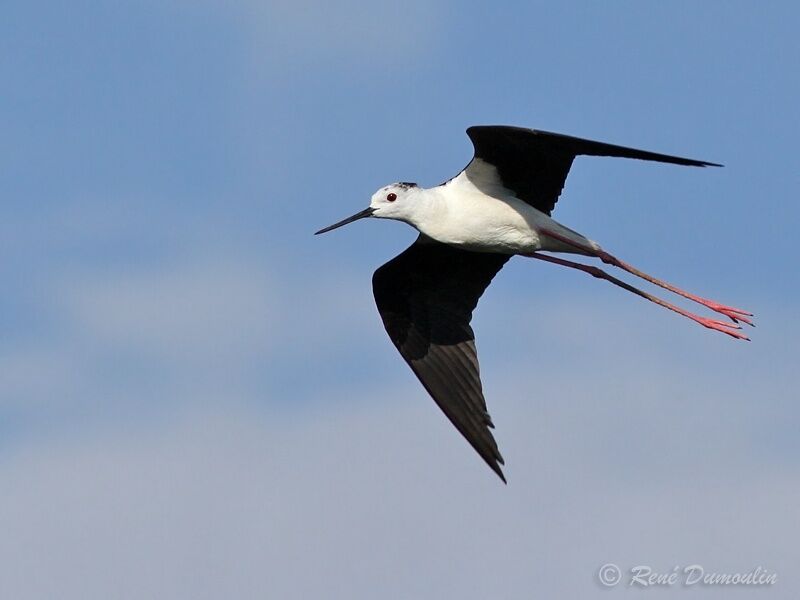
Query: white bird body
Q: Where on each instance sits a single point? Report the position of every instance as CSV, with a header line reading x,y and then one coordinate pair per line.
x,y
475,212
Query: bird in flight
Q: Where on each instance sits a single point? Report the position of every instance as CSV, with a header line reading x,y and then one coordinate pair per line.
x,y
497,207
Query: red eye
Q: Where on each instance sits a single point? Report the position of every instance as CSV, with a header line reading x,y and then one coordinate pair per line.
x,y
391,197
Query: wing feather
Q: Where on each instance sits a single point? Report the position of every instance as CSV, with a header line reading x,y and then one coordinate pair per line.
x,y
534,164
426,297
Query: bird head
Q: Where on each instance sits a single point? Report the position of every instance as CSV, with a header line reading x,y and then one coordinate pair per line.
x,y
393,201
389,202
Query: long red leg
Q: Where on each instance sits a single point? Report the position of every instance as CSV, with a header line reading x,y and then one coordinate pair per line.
x,y
735,314
722,326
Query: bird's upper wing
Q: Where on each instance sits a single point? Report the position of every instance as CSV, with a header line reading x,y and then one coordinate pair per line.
x,y
534,164
425,297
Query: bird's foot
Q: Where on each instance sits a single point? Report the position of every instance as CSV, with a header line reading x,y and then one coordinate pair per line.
x,y
717,325
734,314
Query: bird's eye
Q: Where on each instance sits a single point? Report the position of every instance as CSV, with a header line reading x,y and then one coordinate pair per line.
x,y
391,197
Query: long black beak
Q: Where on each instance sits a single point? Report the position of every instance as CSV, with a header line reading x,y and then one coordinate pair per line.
x,y
367,212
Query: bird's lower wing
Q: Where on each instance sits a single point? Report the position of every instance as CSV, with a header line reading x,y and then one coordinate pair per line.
x,y
425,297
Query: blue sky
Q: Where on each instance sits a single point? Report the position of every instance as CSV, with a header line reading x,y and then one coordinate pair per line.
x,y
197,399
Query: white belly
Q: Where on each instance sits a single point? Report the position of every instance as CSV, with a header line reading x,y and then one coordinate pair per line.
x,y
472,220
487,226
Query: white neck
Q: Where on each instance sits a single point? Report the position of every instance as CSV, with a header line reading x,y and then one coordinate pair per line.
x,y
429,208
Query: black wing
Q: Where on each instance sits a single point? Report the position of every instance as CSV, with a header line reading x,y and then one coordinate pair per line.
x,y
425,297
534,164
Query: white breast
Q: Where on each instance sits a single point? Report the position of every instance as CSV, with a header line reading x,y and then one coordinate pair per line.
x,y
475,211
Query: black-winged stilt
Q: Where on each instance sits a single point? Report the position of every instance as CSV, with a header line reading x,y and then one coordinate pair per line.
x,y
497,207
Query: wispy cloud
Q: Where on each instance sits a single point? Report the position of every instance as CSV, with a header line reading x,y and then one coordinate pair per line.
x,y
194,313
140,334
183,329
355,29
372,498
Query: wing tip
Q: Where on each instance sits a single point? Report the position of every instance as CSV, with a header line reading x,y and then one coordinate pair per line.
x,y
690,162
495,461
496,468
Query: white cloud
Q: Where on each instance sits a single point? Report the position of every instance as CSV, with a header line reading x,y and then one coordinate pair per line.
x,y
382,500
186,329
353,28
200,311
314,32
152,332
